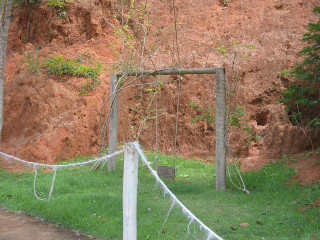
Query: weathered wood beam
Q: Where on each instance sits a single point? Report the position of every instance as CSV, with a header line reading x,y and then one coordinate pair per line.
x,y
170,72
113,124
220,129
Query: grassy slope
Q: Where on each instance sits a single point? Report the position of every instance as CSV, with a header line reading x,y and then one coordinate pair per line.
x,y
91,202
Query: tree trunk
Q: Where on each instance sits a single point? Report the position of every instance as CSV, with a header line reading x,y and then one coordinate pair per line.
x,y
4,28
2,11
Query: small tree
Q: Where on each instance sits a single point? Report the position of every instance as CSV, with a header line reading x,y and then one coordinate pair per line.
x,y
302,98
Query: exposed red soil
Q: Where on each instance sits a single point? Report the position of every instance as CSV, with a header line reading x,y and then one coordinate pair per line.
x,y
307,166
253,163
45,120
308,170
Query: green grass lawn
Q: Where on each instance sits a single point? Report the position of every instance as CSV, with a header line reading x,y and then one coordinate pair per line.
x,y
91,202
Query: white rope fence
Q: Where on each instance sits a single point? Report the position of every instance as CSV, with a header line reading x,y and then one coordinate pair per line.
x,y
95,160
175,200
55,168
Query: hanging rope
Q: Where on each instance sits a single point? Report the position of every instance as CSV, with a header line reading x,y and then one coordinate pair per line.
x,y
177,121
54,170
157,140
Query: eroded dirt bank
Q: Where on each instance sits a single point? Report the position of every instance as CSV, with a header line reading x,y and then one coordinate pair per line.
x,y
45,120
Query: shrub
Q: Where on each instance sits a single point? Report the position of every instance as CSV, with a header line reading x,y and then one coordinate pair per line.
x,y
302,98
60,65
58,4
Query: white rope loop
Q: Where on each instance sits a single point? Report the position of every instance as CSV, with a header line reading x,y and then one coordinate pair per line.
x,y
34,184
52,183
54,170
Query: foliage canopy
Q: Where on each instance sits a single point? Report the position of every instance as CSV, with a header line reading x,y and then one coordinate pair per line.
x,y
302,98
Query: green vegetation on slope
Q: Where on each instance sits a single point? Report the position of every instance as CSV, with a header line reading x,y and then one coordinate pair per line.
x,y
60,65
91,202
302,98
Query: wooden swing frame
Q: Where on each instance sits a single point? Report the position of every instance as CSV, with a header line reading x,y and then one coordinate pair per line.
x,y
220,88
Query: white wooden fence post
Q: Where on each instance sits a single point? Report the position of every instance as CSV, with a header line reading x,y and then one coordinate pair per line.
x,y
220,129
130,186
113,123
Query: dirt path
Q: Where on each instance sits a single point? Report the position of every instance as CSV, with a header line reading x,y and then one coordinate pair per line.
x,y
14,226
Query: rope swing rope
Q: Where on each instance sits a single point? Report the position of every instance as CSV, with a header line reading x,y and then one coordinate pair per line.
x,y
157,133
176,122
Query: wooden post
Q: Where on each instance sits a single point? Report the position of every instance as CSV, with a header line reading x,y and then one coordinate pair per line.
x,y
130,186
113,123
220,129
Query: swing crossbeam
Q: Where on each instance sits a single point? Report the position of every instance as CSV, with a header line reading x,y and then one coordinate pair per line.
x,y
170,72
